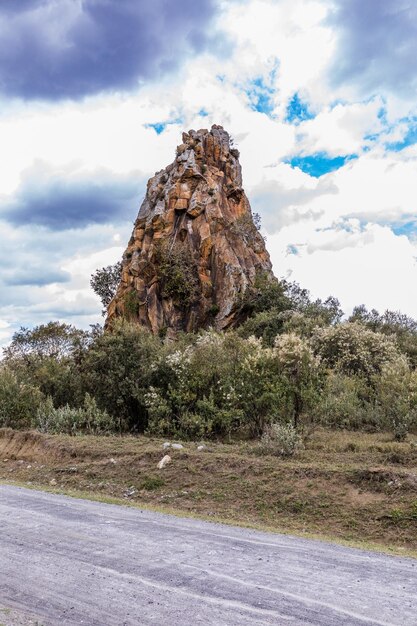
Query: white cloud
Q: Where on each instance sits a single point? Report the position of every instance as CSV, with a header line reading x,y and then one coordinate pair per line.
x,y
292,32
375,187
356,267
96,133
340,130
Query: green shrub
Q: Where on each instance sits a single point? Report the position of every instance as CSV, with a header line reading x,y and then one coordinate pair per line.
x,y
265,294
18,400
200,388
281,440
72,421
178,273
396,389
152,483
300,373
131,305
118,370
345,403
265,325
353,349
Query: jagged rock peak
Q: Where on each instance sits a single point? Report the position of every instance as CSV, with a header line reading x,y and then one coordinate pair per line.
x,y
194,250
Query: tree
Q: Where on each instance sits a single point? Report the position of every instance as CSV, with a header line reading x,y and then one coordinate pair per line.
x,y
265,294
397,396
53,340
300,369
326,312
392,323
353,349
18,400
118,370
104,283
48,357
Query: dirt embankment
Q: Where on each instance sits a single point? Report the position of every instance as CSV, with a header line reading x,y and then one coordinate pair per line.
x,y
351,486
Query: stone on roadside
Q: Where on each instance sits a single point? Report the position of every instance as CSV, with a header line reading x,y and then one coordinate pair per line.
x,y
164,461
200,448
166,445
177,446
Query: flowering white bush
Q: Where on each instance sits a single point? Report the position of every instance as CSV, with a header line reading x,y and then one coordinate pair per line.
x,y
354,349
299,368
281,440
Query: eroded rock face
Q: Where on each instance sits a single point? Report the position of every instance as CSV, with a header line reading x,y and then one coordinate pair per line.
x,y
194,250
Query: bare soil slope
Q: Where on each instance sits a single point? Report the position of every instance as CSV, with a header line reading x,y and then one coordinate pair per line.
x,y
350,486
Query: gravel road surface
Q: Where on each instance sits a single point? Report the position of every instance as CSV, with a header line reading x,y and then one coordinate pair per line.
x,y
69,561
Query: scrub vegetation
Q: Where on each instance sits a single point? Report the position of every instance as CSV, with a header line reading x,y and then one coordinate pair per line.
x,y
293,363
309,418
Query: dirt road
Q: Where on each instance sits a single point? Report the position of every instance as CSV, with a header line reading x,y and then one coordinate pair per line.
x,y
69,561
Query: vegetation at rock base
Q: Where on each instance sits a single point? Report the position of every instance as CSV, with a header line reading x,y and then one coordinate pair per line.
x,y
295,363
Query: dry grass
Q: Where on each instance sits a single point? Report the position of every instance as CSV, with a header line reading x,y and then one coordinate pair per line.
x,y
348,486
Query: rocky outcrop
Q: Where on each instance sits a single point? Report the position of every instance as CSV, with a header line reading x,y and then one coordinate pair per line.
x,y
194,250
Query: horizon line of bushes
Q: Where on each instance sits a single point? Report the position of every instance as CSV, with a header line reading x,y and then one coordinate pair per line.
x,y
293,364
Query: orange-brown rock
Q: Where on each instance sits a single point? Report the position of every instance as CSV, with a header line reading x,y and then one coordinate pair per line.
x,y
195,250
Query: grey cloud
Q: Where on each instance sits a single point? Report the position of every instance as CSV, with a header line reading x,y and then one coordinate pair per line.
x,y
36,276
377,44
62,201
33,257
53,49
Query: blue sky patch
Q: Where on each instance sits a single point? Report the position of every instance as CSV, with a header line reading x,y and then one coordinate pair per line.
x,y
320,163
158,127
292,249
261,91
407,228
298,111
409,139
261,96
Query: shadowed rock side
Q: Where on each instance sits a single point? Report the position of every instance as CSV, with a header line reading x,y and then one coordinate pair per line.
x,y
194,250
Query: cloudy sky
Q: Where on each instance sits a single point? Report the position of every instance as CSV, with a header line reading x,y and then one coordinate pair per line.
x,y
319,96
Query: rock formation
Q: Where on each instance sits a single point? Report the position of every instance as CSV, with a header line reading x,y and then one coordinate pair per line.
x,y
194,250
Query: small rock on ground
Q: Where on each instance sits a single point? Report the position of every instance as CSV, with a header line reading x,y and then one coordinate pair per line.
x,y
164,461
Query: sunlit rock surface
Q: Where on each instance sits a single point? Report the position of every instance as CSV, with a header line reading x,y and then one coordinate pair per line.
x,y
194,250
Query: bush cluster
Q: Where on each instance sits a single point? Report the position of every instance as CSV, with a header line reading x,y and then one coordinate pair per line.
x,y
293,364
87,418
281,440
